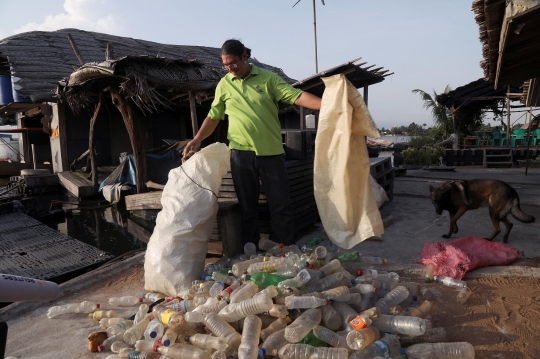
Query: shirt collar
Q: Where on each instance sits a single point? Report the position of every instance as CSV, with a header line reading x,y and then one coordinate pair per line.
x,y
254,71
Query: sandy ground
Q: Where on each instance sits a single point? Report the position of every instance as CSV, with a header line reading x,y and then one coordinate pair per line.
x,y
500,319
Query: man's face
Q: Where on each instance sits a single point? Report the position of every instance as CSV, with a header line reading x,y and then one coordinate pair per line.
x,y
237,66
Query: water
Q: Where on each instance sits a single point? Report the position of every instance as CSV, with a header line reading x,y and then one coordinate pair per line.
x,y
395,138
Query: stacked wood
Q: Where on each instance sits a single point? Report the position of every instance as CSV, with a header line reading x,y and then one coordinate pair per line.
x,y
149,200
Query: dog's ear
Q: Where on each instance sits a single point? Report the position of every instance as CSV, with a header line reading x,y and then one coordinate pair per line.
x,y
462,192
431,189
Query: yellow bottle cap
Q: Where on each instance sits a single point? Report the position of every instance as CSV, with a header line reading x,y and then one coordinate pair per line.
x,y
90,315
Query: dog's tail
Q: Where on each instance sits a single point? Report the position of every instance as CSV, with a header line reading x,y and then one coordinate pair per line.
x,y
519,214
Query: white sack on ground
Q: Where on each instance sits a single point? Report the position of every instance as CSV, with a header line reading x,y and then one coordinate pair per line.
x,y
343,193
177,249
378,192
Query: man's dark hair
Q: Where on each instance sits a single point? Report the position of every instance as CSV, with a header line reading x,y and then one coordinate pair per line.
x,y
234,47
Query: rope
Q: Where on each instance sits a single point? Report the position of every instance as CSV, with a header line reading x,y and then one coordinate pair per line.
x,y
208,189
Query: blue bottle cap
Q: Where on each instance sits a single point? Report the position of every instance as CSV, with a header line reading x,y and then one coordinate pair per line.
x,y
203,277
353,281
402,351
262,352
153,335
415,298
166,342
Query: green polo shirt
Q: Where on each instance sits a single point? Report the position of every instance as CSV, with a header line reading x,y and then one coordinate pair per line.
x,y
252,107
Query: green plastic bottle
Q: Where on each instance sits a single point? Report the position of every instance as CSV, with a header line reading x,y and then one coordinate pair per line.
x,y
312,340
263,279
313,242
349,257
224,271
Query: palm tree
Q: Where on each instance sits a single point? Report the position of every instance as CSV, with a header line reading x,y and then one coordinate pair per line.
x,y
441,114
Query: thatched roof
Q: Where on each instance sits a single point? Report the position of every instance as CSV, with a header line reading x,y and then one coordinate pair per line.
x,y
476,93
41,58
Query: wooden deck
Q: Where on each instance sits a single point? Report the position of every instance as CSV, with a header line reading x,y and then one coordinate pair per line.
x,y
78,184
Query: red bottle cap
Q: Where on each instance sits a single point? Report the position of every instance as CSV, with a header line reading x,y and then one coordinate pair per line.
x,y
100,348
97,306
155,348
140,300
228,290
360,272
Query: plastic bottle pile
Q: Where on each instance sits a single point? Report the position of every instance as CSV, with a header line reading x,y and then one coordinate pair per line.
x,y
284,302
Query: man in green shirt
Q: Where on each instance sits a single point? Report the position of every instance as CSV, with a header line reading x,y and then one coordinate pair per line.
x,y
249,95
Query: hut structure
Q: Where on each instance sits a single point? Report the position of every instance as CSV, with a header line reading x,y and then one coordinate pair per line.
x,y
157,92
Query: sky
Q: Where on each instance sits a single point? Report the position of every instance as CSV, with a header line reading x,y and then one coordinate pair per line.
x,y
427,44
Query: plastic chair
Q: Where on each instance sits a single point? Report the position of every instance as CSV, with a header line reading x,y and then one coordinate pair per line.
x,y
498,138
518,135
535,136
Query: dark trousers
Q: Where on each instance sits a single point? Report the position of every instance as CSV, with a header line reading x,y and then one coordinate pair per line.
x,y
246,169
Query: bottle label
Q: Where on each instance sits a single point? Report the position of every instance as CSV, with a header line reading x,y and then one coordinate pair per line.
x,y
383,347
122,325
166,316
358,323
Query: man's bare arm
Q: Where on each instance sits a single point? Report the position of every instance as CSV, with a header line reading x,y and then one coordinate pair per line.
x,y
308,100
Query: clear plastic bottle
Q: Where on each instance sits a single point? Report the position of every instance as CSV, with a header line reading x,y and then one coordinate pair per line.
x,y
386,347
195,317
320,252
276,325
432,335
367,301
304,351
326,335
339,294
109,322
211,268
125,301
463,295
184,351
251,333
424,310
248,290
359,339
266,244
99,314
393,298
330,317
451,282
136,332
430,272
145,345
216,288
240,268
113,356
141,313
271,290
107,343
331,267
211,305
295,282
250,250
294,302
355,301
389,277
362,288
84,307
426,293
331,281
278,311
221,328
215,355
154,330
143,355
400,324
170,317
225,278
346,313
151,297
120,328
169,337
207,341
298,329
457,350
273,343
308,275
119,345
255,305
278,265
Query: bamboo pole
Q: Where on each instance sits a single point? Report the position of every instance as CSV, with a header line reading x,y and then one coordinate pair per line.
x,y
193,111
92,153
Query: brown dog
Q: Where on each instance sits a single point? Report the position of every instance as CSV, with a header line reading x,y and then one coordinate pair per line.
x,y
457,197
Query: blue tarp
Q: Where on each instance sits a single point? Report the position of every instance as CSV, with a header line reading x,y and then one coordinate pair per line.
x,y
158,165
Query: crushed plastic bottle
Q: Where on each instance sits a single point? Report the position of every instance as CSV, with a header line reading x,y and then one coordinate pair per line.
x,y
221,328
136,331
326,335
247,291
330,317
463,295
84,307
400,324
304,302
125,301
255,305
141,313
184,351
338,294
359,339
250,250
99,314
120,328
207,341
170,317
301,351
276,325
393,298
240,268
451,282
298,329
424,310
152,297
109,322
154,330
386,347
169,337
273,343
457,350
216,289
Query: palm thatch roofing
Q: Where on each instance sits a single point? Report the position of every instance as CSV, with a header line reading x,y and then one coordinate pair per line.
x,y
510,37
42,58
476,93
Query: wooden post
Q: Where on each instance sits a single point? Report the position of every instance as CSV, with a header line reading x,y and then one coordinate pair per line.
x,y
109,52
302,118
92,154
75,49
132,119
193,110
508,129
